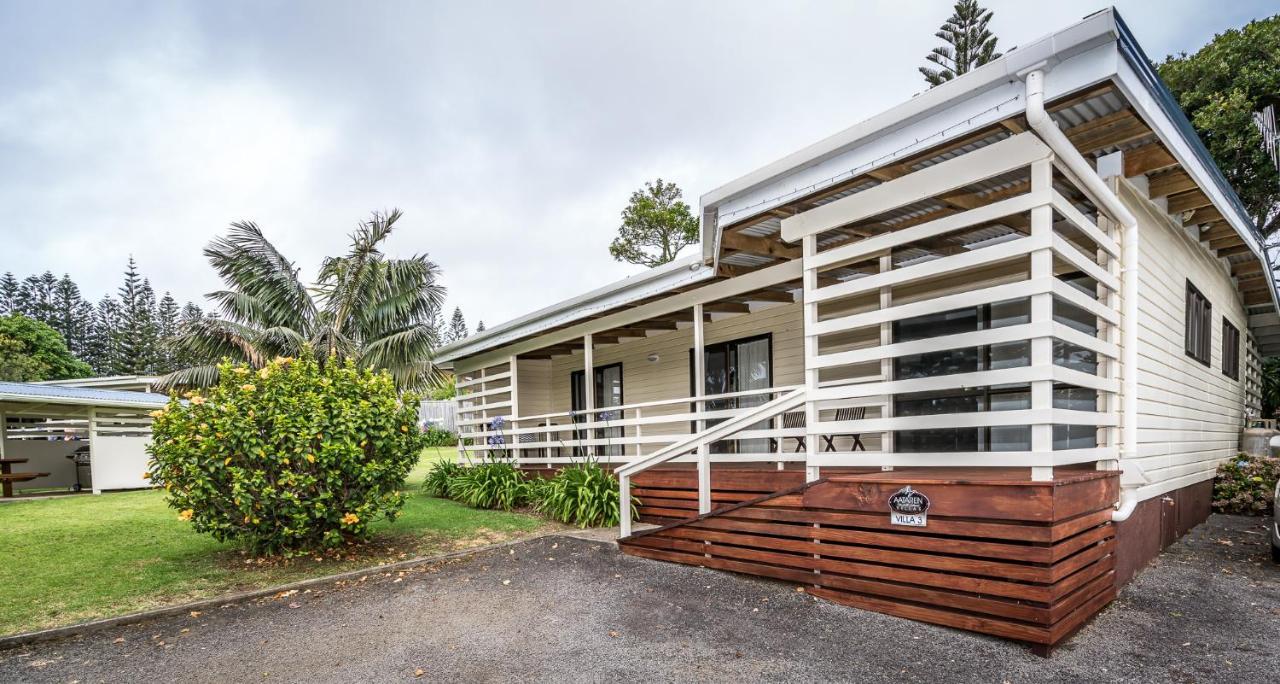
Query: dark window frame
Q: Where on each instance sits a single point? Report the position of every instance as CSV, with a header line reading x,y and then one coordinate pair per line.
x,y
1198,325
1230,350
725,446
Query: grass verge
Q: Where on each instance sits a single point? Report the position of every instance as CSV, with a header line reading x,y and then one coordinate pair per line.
x,y
78,558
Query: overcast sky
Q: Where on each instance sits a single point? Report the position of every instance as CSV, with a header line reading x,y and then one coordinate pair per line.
x,y
511,134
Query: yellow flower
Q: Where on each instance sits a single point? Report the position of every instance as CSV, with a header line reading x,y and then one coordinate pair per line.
x,y
283,359
227,462
286,461
311,458
157,413
350,519
146,476
404,428
197,400
264,372
186,514
240,370
190,393
248,388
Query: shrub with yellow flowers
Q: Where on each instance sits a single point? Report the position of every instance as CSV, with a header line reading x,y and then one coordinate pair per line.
x,y
291,457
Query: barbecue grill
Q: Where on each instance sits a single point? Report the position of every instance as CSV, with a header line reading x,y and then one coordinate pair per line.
x,y
81,458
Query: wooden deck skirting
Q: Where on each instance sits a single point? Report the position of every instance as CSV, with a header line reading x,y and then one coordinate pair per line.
x,y
1000,555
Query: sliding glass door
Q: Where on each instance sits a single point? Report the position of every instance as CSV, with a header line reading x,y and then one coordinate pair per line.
x,y
738,366
608,394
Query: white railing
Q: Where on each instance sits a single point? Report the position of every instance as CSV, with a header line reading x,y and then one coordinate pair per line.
x,y
836,311
735,427
627,433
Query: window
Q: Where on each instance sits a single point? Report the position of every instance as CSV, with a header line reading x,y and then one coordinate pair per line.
x,y
1230,350
1199,333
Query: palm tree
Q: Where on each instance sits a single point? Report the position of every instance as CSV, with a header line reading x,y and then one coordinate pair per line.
x,y
364,306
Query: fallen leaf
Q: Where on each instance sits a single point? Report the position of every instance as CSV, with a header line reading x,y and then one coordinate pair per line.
x,y
195,613
506,582
419,672
614,633
119,640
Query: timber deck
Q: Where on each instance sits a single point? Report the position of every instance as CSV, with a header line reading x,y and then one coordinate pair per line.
x,y
1000,554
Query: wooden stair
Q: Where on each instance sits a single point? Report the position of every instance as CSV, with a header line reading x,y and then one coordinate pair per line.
x,y
1000,555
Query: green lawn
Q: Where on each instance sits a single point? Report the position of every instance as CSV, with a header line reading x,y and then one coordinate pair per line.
x,y
76,558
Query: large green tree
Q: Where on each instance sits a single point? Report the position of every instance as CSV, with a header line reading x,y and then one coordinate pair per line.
x,y
31,350
364,306
1221,87
656,225
968,44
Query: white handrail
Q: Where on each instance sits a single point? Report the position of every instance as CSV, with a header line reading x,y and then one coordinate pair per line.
x,y
715,433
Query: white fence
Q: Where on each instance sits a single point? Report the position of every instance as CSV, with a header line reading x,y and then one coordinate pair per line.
x,y
441,414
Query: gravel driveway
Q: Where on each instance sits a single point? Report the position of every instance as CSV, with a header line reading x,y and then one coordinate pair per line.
x,y
565,609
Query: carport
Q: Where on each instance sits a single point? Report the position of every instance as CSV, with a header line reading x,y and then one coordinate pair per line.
x,y
74,438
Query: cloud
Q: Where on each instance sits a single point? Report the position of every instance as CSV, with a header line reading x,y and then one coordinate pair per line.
x,y
510,133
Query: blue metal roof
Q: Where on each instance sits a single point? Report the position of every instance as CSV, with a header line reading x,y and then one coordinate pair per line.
x,y
1145,68
53,394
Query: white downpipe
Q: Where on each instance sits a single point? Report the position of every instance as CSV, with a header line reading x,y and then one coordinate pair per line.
x,y
1047,129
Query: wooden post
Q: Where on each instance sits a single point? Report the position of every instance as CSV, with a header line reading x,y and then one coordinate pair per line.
x,y
699,391
93,450
886,365
624,505
809,250
639,432
588,389
515,409
1042,313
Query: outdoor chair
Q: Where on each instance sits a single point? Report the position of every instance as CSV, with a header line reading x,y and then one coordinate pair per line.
x,y
842,414
794,419
527,438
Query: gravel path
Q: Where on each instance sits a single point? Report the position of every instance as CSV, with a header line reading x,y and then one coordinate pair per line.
x,y
566,609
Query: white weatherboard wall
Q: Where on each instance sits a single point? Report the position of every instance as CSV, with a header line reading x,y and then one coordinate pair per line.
x,y
1190,414
668,377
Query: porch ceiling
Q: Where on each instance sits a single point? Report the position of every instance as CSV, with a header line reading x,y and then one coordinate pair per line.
x,y
1098,120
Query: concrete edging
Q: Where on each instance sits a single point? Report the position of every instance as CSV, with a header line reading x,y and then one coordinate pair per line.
x,y
24,638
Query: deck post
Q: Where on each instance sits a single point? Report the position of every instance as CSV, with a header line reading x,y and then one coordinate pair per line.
x,y
4,424
699,391
810,279
639,432
588,390
1042,313
624,505
515,409
886,365
93,451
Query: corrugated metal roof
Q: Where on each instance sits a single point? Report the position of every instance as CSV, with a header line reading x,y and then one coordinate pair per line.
x,y
52,394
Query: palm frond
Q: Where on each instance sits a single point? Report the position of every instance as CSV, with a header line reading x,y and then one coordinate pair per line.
x,y
194,377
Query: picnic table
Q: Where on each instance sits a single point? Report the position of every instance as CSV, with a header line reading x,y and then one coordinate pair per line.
x,y
8,477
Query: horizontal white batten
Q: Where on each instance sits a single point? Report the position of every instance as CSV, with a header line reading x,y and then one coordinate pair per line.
x,y
960,300
977,338
1072,255
985,256
1008,154
1004,376
782,389
992,459
877,244
1086,226
1069,293
488,378
505,389
1049,416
